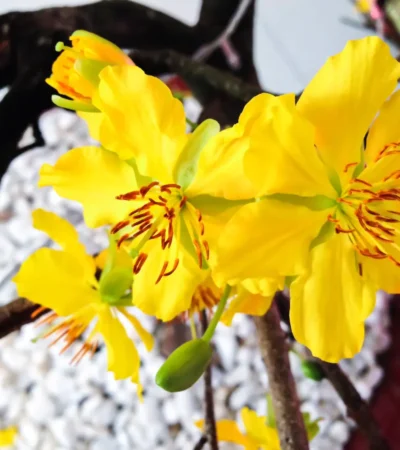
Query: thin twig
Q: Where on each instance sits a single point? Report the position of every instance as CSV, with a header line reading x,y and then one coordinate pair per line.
x,y
357,409
201,443
210,424
274,350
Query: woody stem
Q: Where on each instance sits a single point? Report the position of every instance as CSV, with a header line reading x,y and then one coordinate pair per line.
x,y
274,350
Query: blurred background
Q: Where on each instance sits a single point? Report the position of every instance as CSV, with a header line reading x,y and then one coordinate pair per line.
x,y
57,406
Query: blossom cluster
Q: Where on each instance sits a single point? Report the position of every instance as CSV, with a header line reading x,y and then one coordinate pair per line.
x,y
303,195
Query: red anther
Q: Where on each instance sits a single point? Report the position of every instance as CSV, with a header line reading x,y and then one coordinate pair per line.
x,y
182,202
122,239
347,166
339,229
332,219
140,222
141,259
128,196
37,311
360,269
142,208
141,231
164,268
146,214
373,213
207,249
145,189
119,226
198,252
175,266
390,258
164,200
358,180
201,225
171,185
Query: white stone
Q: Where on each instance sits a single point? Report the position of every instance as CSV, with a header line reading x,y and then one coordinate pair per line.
x,y
240,396
40,406
63,431
238,375
226,347
16,361
339,432
170,411
105,443
29,432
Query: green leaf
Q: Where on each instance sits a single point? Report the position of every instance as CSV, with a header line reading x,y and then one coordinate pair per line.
x,y
312,426
312,370
186,166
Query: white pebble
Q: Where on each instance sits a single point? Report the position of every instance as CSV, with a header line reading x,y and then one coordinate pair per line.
x,y
339,432
64,432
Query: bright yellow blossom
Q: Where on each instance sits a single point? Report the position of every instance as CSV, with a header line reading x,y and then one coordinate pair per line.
x,y
75,72
168,193
64,281
7,436
258,435
312,154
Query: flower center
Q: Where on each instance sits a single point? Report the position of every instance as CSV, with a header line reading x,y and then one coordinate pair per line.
x,y
370,212
158,215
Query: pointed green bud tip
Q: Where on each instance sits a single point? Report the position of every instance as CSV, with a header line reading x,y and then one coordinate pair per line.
x,y
184,366
59,46
312,370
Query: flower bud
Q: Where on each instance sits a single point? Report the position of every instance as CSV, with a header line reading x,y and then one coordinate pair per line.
x,y
312,370
184,366
75,73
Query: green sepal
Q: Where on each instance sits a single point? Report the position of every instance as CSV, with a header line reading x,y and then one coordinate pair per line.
x,y
316,203
95,37
72,104
184,366
113,286
210,205
312,426
327,231
312,370
289,280
186,241
90,69
186,166
334,180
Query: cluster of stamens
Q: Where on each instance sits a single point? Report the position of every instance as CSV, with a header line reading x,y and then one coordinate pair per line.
x,y
68,330
365,215
158,217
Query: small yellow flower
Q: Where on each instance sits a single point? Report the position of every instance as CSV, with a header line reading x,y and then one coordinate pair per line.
x,y
329,211
257,436
7,436
168,193
75,72
64,281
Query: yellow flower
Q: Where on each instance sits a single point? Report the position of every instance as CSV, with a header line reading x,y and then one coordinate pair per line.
x,y
167,193
64,281
258,435
75,72
363,6
309,160
7,436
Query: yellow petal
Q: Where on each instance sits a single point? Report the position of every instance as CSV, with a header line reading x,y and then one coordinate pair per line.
x,y
385,128
246,303
56,280
122,355
227,431
383,273
282,156
343,98
258,431
93,177
7,436
220,169
143,120
144,335
268,238
173,294
329,302
94,121
63,233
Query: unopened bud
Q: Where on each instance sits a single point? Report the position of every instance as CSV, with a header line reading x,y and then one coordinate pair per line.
x,y
312,370
184,366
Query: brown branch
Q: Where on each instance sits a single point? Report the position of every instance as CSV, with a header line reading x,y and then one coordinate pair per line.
x,y
15,314
274,350
201,443
210,424
357,409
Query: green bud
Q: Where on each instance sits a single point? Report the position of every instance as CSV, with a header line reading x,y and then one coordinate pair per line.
x,y
312,370
186,166
184,366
